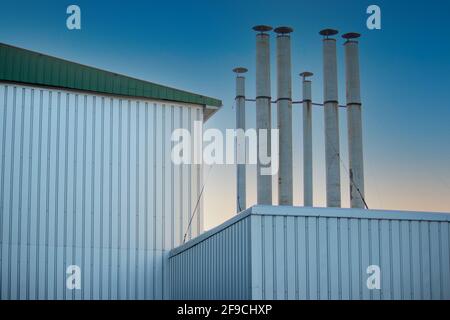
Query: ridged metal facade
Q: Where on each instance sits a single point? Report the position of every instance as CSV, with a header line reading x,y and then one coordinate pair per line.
x,y
88,180
318,253
214,266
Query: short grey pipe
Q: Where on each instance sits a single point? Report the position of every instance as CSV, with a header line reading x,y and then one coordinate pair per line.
x,y
240,145
307,141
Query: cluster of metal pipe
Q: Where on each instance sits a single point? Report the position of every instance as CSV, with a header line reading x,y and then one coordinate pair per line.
x,y
284,119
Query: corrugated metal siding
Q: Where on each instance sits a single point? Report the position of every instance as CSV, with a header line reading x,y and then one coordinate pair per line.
x,y
327,258
20,65
217,267
304,253
88,180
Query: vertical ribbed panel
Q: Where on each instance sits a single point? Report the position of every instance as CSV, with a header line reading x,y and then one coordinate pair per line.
x,y
88,180
216,267
301,257
270,252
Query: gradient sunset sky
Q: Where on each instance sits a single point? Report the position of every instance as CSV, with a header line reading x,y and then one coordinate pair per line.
x,y
193,45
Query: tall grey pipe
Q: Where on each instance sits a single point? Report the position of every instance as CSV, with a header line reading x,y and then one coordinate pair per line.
x,y
332,156
284,115
355,144
240,146
307,141
263,109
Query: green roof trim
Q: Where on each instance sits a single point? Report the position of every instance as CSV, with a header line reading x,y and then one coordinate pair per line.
x,y
21,65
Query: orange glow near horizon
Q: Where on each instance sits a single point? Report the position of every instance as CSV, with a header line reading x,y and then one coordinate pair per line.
x,y
395,190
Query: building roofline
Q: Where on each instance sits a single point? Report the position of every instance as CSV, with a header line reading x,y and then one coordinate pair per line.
x,y
291,211
30,67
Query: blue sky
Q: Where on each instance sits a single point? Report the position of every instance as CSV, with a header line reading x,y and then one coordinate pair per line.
x,y
193,45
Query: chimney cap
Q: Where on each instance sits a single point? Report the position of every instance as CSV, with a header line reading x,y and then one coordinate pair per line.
x,y
283,30
328,32
351,35
240,70
262,28
306,74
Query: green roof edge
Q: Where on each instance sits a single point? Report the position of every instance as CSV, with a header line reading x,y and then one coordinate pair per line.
x,y
25,66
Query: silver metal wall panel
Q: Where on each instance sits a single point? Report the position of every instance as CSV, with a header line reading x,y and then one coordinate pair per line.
x,y
326,257
216,266
319,253
88,180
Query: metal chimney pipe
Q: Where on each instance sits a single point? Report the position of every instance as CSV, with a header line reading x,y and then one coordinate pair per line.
x,y
240,146
307,141
332,156
284,115
355,144
263,108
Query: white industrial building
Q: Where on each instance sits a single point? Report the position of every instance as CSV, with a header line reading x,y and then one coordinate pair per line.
x,y
87,180
285,252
